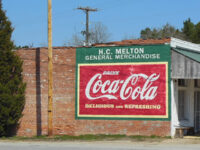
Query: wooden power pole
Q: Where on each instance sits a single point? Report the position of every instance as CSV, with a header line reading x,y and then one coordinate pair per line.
x,y
50,71
87,34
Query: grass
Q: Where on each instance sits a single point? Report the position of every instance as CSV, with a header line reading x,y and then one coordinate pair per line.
x,y
89,137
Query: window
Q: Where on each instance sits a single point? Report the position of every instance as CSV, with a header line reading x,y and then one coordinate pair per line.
x,y
197,110
183,101
182,82
181,105
196,83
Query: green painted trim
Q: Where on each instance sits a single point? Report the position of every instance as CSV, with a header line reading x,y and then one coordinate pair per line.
x,y
116,118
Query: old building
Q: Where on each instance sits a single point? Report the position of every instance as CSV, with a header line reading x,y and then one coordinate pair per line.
x,y
177,89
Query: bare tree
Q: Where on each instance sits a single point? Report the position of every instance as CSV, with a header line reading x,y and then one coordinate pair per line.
x,y
76,40
128,37
98,34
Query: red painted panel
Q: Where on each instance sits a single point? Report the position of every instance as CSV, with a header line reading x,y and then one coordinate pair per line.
x,y
123,90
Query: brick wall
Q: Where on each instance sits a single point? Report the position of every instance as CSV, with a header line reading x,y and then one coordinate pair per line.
x,y
34,120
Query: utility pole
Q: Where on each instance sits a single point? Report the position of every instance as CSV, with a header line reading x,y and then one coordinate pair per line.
x,y
50,71
86,32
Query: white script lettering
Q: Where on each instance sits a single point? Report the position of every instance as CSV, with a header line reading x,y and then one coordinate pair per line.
x,y
128,88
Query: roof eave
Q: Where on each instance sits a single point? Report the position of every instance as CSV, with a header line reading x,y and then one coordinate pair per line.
x,y
177,43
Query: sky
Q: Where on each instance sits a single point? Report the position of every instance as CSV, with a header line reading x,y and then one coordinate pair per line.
x,y
123,18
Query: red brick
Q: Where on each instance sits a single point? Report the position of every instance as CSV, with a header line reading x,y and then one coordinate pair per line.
x,y
35,117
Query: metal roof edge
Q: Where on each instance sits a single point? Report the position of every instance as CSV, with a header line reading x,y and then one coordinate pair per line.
x,y
177,43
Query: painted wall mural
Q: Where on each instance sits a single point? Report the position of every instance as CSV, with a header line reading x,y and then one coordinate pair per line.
x,y
123,82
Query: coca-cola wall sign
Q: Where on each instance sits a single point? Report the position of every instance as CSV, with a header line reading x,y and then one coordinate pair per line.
x,y
123,82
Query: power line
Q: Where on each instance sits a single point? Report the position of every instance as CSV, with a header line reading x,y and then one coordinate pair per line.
x,y
86,32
